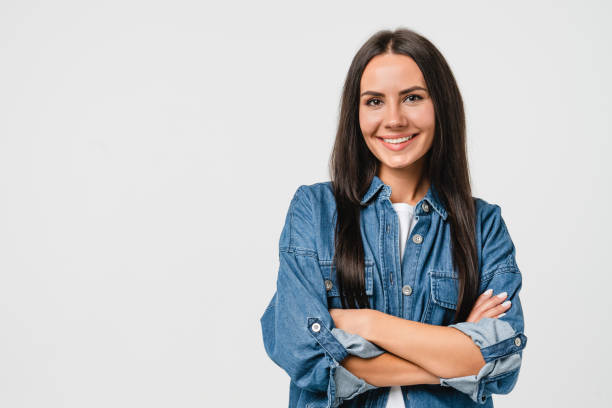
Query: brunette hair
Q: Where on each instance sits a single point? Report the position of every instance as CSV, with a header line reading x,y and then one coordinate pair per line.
x,y
353,166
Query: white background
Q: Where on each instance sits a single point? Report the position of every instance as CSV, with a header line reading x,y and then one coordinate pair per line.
x,y
149,151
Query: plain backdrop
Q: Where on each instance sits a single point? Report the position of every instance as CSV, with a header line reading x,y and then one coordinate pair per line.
x,y
149,151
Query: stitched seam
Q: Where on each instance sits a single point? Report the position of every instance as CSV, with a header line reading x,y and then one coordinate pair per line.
x,y
317,340
504,268
434,283
291,247
299,251
328,271
507,340
499,376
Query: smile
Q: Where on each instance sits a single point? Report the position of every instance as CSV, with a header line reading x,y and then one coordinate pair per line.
x,y
399,140
397,143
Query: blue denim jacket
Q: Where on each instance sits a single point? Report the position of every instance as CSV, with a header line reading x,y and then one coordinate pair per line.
x,y
299,333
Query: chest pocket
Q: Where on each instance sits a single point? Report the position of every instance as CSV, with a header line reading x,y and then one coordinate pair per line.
x,y
443,297
331,282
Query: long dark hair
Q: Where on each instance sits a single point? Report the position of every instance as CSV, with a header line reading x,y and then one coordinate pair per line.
x,y
353,166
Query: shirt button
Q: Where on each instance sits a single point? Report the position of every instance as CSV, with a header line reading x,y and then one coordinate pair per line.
x,y
328,284
417,238
425,207
315,327
517,342
407,290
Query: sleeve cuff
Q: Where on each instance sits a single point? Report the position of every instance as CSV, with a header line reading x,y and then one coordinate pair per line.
x,y
356,345
348,385
501,348
495,337
326,339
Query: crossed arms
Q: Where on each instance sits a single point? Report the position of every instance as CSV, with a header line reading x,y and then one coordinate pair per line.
x,y
417,353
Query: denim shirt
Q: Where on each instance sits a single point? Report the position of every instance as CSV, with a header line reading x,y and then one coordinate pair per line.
x,y
299,333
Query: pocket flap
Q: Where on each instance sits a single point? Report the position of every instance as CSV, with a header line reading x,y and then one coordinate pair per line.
x,y
331,280
444,288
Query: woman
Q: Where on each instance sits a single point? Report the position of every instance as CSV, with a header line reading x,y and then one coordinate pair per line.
x,y
385,286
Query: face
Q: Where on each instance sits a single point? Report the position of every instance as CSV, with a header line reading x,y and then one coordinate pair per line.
x,y
395,105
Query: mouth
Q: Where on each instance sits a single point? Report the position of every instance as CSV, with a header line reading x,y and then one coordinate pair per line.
x,y
398,142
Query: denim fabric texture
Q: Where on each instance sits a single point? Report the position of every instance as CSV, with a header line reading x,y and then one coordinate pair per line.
x,y
348,385
299,333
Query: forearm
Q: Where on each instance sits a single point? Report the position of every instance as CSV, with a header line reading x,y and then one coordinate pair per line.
x,y
442,351
388,369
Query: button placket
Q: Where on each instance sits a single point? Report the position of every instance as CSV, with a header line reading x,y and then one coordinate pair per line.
x,y
392,238
392,256
418,238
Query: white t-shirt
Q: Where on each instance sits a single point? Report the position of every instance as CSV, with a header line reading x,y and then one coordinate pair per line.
x,y
407,220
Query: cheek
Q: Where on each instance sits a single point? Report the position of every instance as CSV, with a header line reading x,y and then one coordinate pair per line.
x,y
427,116
368,122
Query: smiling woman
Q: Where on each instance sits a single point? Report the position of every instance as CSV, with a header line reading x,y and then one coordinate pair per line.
x,y
397,123
387,272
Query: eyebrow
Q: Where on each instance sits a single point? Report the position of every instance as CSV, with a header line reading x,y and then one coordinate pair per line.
x,y
405,91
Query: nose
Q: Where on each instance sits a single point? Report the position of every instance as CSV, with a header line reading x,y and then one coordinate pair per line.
x,y
395,118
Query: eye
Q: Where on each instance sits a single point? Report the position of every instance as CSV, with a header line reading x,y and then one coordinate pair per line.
x,y
418,97
371,100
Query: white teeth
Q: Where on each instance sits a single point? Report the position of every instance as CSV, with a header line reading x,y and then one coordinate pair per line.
x,y
401,140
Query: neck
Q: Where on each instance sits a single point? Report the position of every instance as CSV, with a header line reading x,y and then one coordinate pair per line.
x,y
408,185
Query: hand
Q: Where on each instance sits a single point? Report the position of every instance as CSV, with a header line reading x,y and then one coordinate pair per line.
x,y
488,306
355,321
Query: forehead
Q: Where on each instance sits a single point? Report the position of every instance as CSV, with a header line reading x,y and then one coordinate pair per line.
x,y
391,72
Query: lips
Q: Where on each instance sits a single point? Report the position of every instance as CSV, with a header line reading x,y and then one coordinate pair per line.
x,y
398,146
398,136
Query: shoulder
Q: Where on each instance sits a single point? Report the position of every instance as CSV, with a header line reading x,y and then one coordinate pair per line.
x,y
485,208
313,197
307,215
492,233
488,216
316,191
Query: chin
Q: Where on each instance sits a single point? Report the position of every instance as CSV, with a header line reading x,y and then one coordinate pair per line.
x,y
398,164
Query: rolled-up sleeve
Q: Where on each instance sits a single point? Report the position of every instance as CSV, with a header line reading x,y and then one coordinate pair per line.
x,y
348,385
296,325
501,340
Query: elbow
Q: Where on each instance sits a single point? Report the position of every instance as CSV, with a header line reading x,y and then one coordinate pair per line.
x,y
475,364
474,361
309,370
469,361
311,373
470,365
313,379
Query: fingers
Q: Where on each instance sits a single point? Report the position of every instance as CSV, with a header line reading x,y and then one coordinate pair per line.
x,y
492,302
495,311
476,309
487,305
482,298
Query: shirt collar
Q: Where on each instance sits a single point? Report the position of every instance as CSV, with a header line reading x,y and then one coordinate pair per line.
x,y
432,196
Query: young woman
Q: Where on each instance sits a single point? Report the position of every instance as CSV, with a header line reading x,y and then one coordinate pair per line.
x,y
387,272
